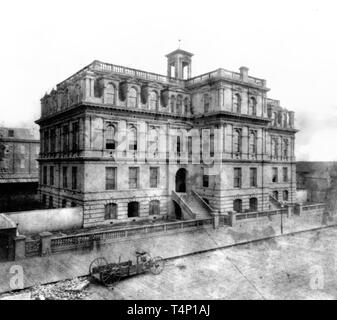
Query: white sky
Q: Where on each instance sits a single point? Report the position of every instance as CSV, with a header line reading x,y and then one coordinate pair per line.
x,y
291,44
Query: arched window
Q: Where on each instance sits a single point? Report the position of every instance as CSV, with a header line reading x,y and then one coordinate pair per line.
x,y
65,102
178,145
285,195
153,100
274,118
133,209
285,148
172,103
253,204
269,112
132,98
237,103
274,147
110,94
154,207
237,205
110,132
152,142
179,104
97,89
186,106
132,139
252,106
110,211
275,194
252,143
285,120
206,103
237,141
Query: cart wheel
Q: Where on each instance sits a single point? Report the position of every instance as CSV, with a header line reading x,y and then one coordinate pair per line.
x,y
157,265
110,276
97,265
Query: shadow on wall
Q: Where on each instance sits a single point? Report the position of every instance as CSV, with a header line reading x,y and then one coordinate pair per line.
x,y
18,197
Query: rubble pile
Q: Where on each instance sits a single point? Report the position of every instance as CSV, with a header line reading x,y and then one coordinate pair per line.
x,y
65,290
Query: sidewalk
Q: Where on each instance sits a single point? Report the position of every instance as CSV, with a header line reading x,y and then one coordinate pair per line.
x,y
42,270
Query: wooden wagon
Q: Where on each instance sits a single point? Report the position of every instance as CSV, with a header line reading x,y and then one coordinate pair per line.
x,y
110,273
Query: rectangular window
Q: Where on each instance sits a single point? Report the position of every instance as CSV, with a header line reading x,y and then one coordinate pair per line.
x,y
75,136
22,149
285,174
110,211
133,178
74,178
205,181
65,131
237,177
51,175
189,146
51,202
22,163
110,178
154,177
46,141
110,144
65,177
52,140
11,133
275,175
45,175
253,177
212,145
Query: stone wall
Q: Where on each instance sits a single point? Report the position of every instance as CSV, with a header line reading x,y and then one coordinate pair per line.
x,y
32,222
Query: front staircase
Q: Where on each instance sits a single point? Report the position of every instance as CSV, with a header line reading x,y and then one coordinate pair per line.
x,y
275,204
192,205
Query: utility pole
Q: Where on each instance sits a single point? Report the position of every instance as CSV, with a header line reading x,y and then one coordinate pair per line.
x,y
281,221
282,206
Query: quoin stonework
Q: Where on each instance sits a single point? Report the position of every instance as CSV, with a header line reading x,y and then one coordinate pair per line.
x,y
126,144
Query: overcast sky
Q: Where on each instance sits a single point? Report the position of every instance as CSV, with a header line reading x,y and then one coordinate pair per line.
x,y
291,44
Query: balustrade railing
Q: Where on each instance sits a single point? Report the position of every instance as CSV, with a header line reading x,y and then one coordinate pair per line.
x,y
102,66
313,207
86,241
222,73
251,215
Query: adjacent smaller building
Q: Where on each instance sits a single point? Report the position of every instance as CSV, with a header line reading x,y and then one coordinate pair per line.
x,y
19,149
318,181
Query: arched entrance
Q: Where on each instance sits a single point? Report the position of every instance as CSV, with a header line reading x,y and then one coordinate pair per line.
x,y
177,211
181,180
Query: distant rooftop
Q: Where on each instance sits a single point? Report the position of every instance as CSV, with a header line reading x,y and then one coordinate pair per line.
x,y
19,133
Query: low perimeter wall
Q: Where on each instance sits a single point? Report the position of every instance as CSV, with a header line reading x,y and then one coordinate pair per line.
x,y
32,222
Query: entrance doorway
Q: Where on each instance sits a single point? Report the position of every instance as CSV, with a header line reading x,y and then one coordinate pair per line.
x,y
177,211
133,209
181,180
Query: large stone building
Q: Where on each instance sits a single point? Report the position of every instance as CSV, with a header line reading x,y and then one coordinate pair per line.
x,y
19,150
124,144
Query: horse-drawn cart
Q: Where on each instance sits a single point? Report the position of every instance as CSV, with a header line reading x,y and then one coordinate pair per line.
x,y
109,273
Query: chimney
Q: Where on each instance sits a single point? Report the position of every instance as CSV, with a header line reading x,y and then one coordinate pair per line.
x,y
244,74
